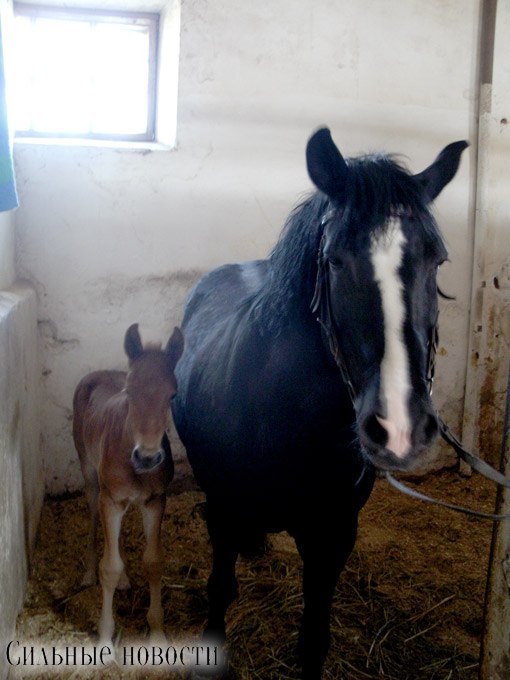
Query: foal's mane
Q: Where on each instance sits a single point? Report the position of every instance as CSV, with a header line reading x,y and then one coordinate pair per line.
x,y
379,186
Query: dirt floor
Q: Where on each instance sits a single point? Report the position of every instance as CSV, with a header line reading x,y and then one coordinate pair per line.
x,y
408,606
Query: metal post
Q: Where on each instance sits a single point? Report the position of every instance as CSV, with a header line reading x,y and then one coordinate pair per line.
x,y
495,649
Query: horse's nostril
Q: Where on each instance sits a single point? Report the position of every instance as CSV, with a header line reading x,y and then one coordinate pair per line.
x,y
136,455
430,426
375,431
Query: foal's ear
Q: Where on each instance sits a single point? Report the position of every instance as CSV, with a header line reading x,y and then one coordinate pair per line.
x,y
442,170
175,347
326,166
133,343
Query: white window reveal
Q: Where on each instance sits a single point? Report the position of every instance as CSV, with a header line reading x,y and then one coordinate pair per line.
x,y
84,73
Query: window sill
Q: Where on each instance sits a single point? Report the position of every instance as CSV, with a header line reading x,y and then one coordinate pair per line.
x,y
93,143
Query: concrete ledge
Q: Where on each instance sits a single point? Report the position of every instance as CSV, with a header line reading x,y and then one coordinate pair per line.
x,y
21,473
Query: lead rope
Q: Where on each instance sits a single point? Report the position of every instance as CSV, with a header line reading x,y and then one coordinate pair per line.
x,y
473,461
321,306
395,483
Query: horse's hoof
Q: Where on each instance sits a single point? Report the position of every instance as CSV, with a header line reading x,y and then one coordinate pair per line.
x,y
214,637
209,674
219,672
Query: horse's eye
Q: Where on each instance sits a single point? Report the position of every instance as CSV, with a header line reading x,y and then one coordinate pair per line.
x,y
433,263
335,262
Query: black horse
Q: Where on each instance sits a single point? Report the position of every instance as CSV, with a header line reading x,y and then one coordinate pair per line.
x,y
285,419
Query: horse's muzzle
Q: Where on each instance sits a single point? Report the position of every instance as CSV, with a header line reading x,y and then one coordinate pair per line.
x,y
376,442
143,463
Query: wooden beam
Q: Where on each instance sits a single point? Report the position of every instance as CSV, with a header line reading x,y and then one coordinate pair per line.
x,y
495,652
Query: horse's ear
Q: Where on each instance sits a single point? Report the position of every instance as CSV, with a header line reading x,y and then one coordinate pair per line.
x,y
175,347
326,166
133,343
442,170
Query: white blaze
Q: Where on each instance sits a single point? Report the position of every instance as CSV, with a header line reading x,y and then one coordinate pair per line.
x,y
387,252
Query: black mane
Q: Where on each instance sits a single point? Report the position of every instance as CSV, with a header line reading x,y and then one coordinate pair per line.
x,y
294,260
379,187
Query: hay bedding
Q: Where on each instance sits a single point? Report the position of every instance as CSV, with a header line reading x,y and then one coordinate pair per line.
x,y
408,606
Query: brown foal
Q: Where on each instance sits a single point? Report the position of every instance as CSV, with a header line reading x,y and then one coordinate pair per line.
x,y
119,429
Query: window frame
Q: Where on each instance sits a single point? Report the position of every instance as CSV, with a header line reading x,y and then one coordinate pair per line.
x,y
151,20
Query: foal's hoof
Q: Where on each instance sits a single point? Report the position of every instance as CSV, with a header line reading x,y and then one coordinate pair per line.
x,y
107,642
158,639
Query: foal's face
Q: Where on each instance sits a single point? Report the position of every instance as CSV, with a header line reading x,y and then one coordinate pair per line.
x,y
150,387
382,250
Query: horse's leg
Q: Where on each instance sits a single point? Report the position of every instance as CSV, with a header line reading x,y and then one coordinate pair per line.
x,y
152,513
324,555
111,565
222,584
91,493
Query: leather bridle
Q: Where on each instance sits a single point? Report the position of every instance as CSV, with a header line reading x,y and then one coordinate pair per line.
x,y
321,307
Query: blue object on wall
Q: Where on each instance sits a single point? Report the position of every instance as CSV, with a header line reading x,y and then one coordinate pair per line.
x,y
8,195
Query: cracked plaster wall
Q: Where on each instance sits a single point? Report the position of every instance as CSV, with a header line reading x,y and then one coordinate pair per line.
x,y
113,236
21,476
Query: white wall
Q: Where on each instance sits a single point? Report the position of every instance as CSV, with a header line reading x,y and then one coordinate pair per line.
x,y
109,237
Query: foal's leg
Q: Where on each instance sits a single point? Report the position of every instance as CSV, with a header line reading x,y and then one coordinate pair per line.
x,y
324,555
111,565
152,513
91,493
124,582
222,584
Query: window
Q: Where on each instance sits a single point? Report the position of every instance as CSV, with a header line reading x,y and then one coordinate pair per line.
x,y
84,73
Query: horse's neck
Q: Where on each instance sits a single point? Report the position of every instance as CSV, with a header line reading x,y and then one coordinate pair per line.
x,y
288,307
